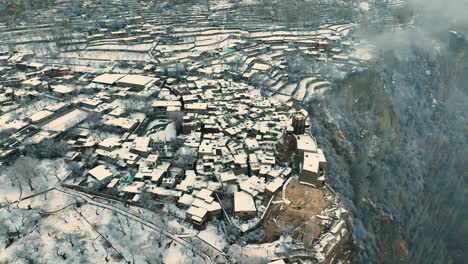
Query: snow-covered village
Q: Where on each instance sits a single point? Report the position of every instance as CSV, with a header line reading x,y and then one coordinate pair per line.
x,y
134,136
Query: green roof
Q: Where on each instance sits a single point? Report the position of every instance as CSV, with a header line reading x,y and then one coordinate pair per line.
x,y
129,178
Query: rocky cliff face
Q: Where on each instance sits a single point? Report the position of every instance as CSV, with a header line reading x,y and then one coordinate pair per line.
x,y
396,140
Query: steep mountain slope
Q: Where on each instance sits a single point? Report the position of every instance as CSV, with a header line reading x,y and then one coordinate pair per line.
x,y
396,136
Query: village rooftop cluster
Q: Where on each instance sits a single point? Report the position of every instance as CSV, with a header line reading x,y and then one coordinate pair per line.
x,y
210,146
206,118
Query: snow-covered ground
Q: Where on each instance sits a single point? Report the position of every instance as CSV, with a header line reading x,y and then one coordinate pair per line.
x,y
48,174
213,236
107,55
25,111
165,135
137,47
57,227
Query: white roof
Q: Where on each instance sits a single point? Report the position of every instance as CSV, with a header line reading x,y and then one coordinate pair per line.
x,y
197,211
32,82
36,64
152,158
62,89
274,185
100,172
155,174
166,103
227,176
261,67
108,78
311,162
190,179
253,185
321,156
16,124
141,144
253,158
243,202
160,191
136,80
40,115
209,206
196,106
135,187
186,199
240,158
124,123
205,147
56,107
205,194
113,183
90,102
306,143
110,142
251,143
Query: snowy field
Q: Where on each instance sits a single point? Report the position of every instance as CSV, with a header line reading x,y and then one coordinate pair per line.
x,y
136,47
107,55
54,226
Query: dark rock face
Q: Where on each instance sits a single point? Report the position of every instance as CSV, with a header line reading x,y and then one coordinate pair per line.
x,y
396,139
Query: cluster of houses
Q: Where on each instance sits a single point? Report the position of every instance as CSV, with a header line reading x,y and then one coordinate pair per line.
x,y
231,134
191,127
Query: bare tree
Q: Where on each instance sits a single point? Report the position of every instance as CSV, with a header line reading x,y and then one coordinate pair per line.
x,y
48,149
26,169
15,180
177,118
75,170
5,133
93,119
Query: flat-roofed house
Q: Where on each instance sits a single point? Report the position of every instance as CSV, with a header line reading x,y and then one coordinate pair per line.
x,y
108,79
205,148
254,165
41,117
101,173
197,216
152,160
135,81
124,124
244,206
163,193
227,177
31,83
305,143
313,168
154,175
141,146
251,144
240,162
274,186
185,200
163,107
110,144
213,208
62,90
196,108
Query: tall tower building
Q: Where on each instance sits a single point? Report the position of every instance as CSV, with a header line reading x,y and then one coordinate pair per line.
x,y
298,123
